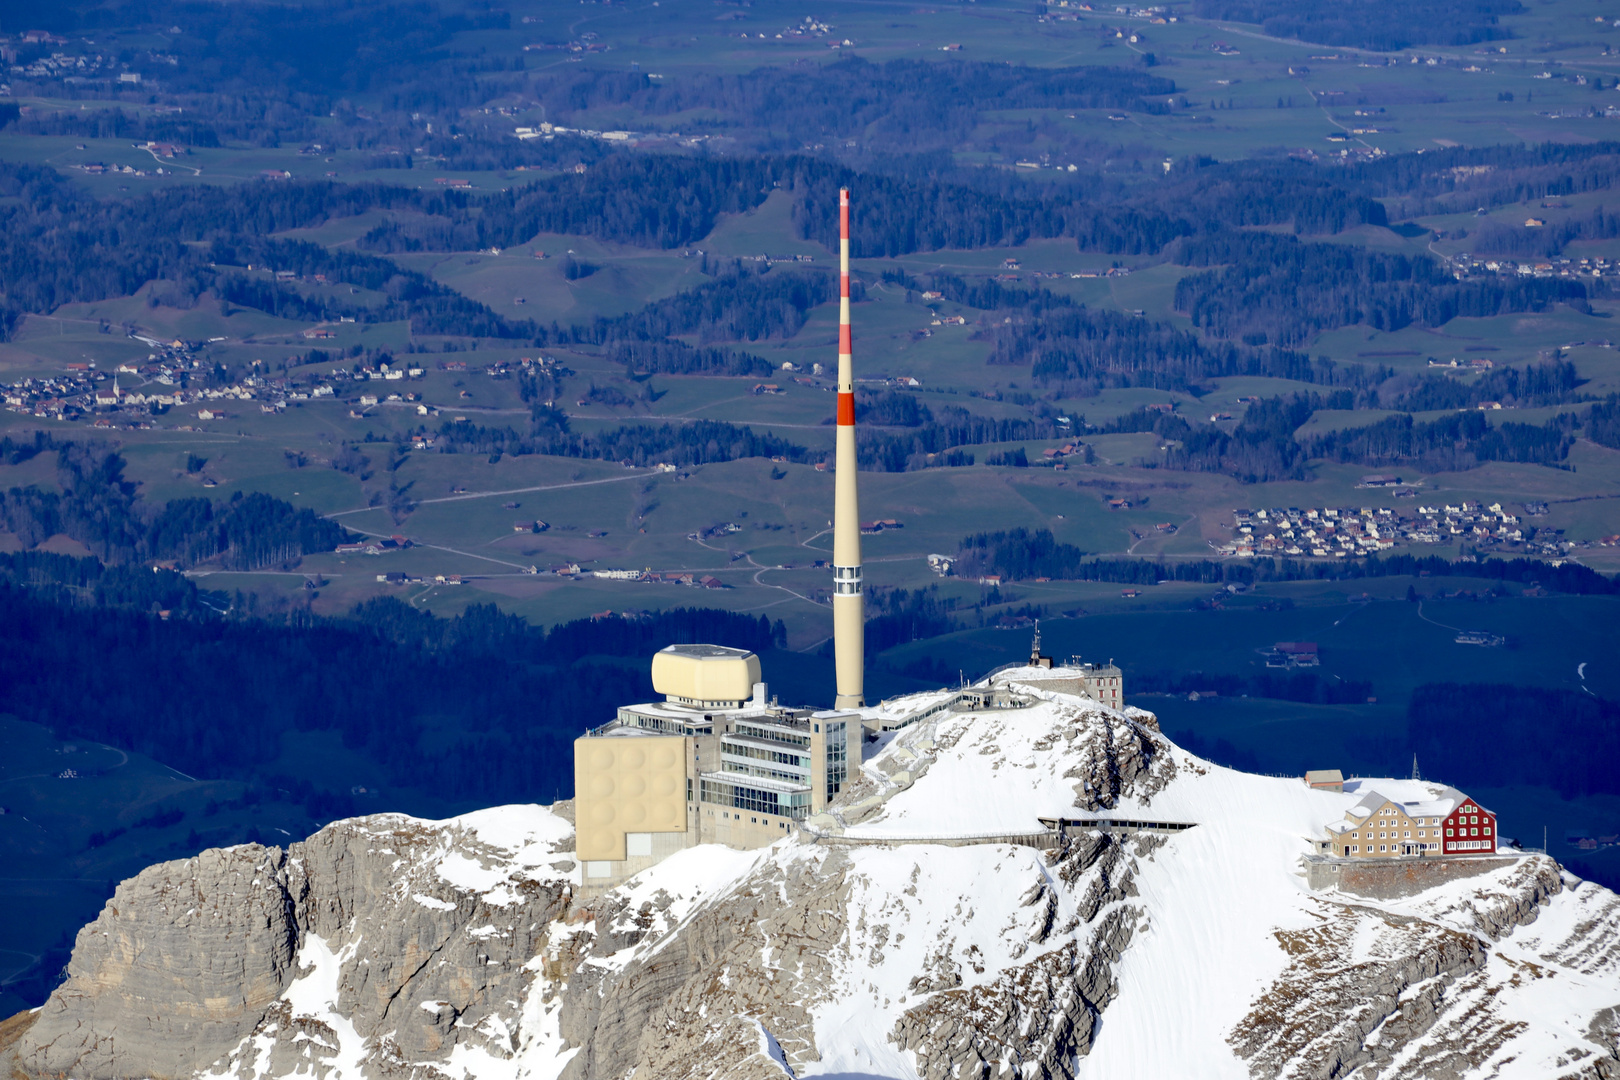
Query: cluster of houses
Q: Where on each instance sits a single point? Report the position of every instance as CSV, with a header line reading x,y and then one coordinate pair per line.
x,y
548,131
383,545
1293,654
375,545
172,376
1348,532
81,68
1560,266
1157,14
645,577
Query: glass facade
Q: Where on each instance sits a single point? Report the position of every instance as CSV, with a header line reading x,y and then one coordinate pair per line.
x,y
664,725
837,756
742,796
748,768
772,733
737,748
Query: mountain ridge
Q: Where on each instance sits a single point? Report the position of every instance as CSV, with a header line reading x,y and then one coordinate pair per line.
x,y
388,946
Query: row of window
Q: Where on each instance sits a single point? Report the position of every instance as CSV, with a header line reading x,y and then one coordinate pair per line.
x,y
1355,849
1424,832
663,724
746,768
774,734
753,820
760,753
837,757
795,804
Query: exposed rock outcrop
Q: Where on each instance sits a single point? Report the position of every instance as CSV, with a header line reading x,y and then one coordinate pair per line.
x,y
911,940
259,958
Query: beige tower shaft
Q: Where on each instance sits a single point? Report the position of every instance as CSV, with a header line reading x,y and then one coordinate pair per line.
x,y
849,603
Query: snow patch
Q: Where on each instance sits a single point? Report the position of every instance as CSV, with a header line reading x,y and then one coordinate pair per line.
x,y
433,902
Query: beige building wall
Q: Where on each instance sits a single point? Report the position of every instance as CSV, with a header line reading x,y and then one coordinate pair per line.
x,y
1385,831
728,675
744,829
627,785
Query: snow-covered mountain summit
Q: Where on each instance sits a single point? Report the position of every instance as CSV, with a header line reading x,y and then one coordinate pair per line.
x,y
1040,887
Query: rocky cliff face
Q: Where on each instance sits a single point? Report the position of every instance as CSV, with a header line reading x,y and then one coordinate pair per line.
x,y
905,943
382,938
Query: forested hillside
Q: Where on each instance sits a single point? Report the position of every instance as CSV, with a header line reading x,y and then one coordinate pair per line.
x,y
478,708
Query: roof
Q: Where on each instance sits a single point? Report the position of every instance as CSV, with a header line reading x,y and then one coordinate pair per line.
x,y
706,652
759,783
1324,776
1415,797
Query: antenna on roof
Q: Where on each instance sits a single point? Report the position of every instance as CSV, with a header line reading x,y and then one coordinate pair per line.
x,y
1415,774
1035,658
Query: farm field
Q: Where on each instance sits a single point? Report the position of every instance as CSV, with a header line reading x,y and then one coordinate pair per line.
x,y
548,291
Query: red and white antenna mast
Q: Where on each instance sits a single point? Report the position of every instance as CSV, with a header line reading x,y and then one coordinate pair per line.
x,y
849,616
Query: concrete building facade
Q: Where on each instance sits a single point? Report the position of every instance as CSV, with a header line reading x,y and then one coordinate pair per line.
x,y
714,762
1102,683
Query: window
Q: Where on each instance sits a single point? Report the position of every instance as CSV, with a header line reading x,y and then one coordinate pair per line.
x,y
761,753
1381,847
1448,832
741,796
1487,830
775,734
837,760
745,768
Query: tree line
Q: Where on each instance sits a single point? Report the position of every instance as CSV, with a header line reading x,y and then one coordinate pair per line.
x,y
1518,242
58,245
698,442
1549,382
1460,179
100,508
1493,735
912,105
1383,25
1275,289
949,429
679,358
475,710
1448,444
1088,350
1021,555
1603,422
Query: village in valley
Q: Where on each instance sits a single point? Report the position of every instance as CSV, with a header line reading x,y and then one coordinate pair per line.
x,y
1349,532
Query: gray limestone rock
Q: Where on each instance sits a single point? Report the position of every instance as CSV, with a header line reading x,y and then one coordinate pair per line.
x,y
387,947
188,963
180,967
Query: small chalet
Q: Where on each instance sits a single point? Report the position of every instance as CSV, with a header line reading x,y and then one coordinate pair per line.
x,y
1324,779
